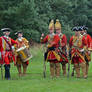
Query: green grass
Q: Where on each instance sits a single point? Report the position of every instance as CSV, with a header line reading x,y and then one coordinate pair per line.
x,y
34,81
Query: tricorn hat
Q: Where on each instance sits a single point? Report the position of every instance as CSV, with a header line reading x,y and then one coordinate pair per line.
x,y
5,29
80,28
85,28
75,29
19,32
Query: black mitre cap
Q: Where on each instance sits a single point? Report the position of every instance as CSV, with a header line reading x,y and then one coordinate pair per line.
x,y
5,29
75,29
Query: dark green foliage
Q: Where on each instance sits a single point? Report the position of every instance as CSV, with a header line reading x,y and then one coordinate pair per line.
x,y
33,16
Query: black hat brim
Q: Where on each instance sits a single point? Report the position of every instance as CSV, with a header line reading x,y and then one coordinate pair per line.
x,y
6,30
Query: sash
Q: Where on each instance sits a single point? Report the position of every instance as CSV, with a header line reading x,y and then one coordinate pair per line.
x,y
8,43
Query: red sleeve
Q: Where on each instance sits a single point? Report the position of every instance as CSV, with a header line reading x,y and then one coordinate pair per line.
x,y
91,44
13,42
0,43
64,41
45,39
71,42
88,40
84,41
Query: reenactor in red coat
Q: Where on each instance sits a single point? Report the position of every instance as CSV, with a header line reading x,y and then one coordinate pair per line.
x,y
87,53
62,46
51,55
78,45
7,51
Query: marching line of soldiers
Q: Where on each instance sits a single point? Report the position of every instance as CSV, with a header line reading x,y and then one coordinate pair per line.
x,y
57,52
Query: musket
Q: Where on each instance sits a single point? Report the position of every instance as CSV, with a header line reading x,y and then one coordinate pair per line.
x,y
73,71
2,71
68,73
68,69
61,52
44,69
2,67
44,63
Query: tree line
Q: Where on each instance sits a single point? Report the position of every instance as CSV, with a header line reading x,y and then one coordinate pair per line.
x,y
33,16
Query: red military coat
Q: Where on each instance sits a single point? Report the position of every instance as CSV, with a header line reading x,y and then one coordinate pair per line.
x,y
76,56
6,53
52,43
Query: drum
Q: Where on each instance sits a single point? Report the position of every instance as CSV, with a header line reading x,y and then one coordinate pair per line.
x,y
24,54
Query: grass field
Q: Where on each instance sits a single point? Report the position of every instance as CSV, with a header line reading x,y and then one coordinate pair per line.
x,y
34,81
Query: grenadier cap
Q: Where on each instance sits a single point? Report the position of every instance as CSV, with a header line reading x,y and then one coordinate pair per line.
x,y
51,25
57,24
